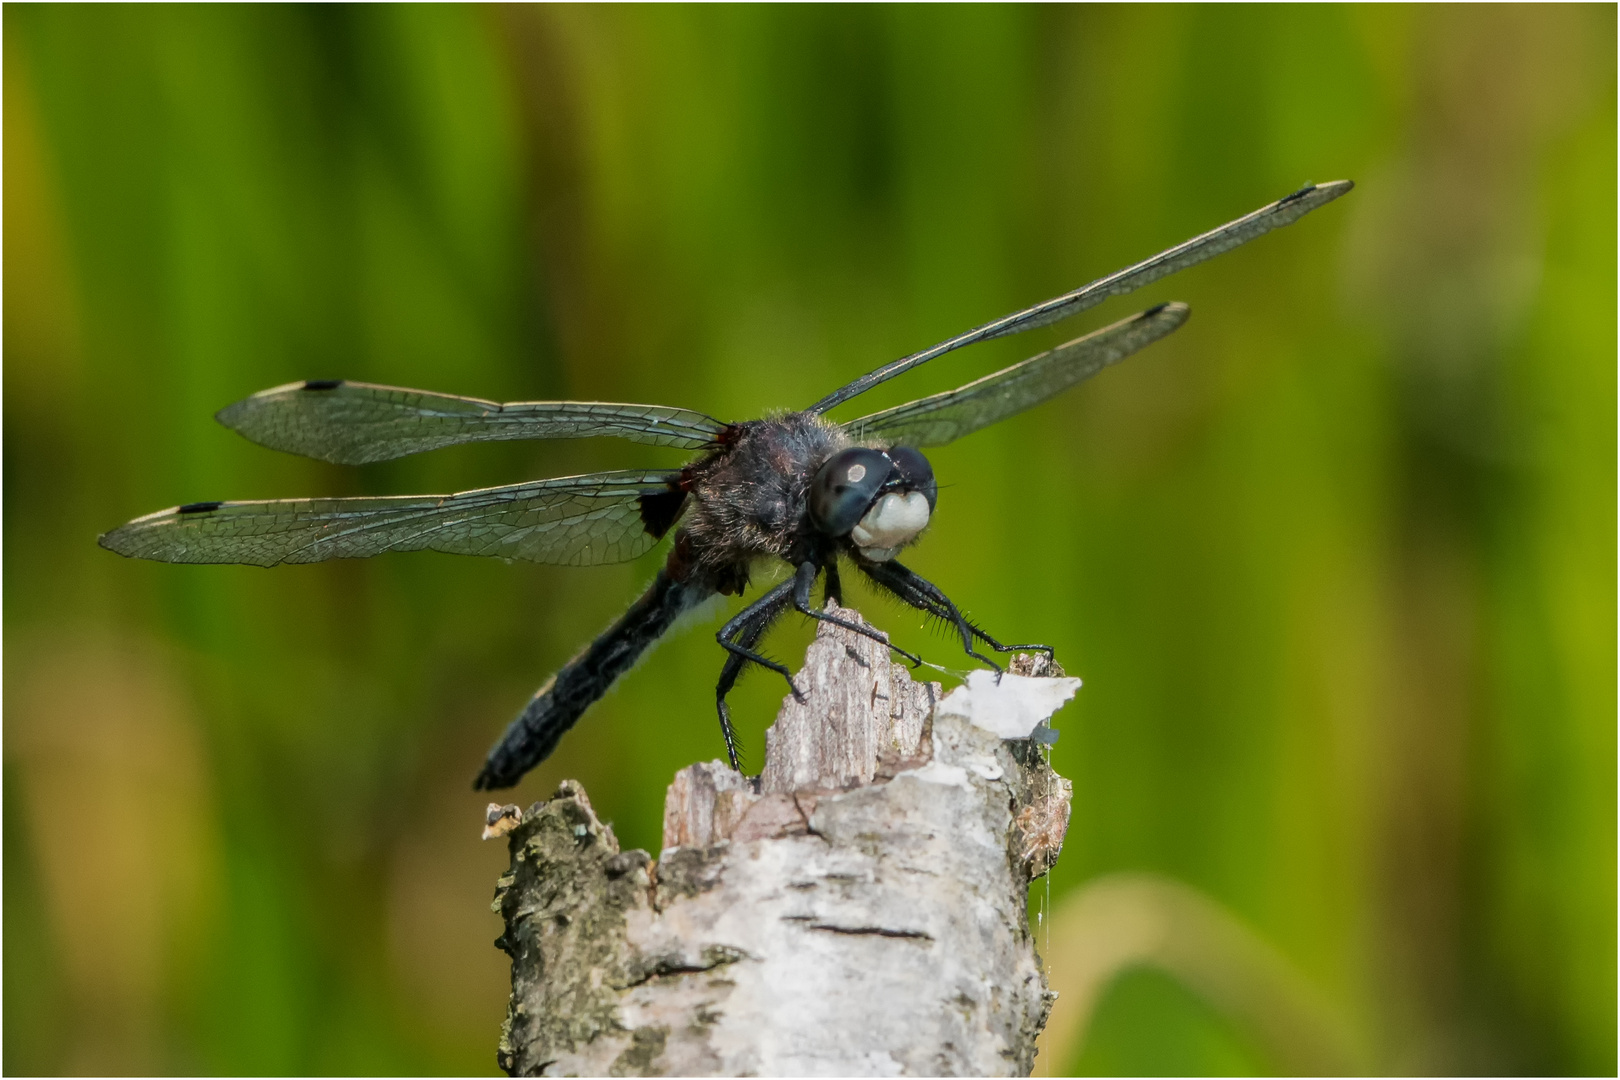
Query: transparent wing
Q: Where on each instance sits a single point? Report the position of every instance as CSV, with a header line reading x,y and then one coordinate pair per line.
x,y
351,423
574,521
933,421
1273,216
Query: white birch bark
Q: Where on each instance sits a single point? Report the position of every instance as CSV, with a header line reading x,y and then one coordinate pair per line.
x,y
858,909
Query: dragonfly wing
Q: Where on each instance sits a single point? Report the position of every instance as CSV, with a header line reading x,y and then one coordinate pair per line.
x,y
1284,211
352,423
936,420
573,521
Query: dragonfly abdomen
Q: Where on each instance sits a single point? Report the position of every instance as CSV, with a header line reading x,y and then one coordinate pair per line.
x,y
530,738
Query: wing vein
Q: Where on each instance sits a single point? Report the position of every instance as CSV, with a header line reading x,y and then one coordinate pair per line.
x,y
571,520
936,420
353,423
1284,211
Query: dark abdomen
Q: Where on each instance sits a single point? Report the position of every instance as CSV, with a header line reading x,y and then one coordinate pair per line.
x,y
530,738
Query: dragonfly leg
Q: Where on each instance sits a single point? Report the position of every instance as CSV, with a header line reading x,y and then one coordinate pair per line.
x,y
747,636
920,593
805,578
833,589
926,596
738,624
974,628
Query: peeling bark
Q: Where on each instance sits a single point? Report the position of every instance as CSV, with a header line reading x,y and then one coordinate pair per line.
x,y
858,909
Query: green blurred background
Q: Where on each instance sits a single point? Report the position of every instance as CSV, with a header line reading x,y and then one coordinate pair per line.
x,y
1336,561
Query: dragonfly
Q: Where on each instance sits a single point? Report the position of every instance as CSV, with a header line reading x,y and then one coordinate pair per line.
x,y
795,486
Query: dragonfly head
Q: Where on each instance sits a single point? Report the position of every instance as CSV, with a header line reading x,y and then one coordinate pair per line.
x,y
880,499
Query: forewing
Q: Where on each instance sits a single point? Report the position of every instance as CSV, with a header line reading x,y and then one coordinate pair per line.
x,y
1284,211
573,521
352,423
933,421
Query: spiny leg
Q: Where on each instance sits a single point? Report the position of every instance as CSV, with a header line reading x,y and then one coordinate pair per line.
x,y
806,577
734,627
748,636
924,595
934,592
833,590
930,600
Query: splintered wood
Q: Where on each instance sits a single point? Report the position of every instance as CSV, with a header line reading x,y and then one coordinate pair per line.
x,y
858,909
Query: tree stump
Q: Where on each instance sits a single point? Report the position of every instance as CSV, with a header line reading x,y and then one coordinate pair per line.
x,y
860,908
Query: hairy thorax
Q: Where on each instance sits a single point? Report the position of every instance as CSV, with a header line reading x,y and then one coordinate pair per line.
x,y
750,500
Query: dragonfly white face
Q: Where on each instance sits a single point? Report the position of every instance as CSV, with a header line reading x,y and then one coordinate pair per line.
x,y
894,521
797,486
879,498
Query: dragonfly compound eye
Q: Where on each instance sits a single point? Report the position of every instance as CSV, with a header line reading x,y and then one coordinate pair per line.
x,y
914,473
845,488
